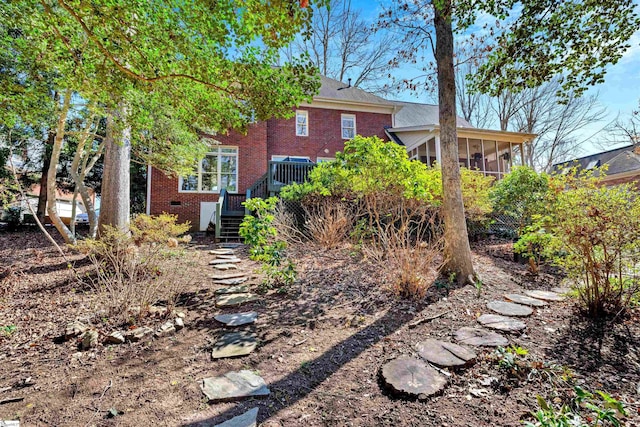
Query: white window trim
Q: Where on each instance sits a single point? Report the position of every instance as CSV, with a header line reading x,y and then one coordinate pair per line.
x,y
348,116
306,114
199,172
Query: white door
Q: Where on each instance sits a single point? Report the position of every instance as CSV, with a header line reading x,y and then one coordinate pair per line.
x,y
207,214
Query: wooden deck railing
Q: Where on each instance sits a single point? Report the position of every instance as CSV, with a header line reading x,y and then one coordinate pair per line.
x,y
285,173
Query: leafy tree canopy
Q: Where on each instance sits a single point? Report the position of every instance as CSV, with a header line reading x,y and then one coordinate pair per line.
x,y
179,68
541,39
526,42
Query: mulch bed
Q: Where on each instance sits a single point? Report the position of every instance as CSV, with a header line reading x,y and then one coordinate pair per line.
x,y
321,347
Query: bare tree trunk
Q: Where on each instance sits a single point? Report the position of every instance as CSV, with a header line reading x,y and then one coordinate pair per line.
x,y
115,204
72,221
79,171
457,251
52,208
46,161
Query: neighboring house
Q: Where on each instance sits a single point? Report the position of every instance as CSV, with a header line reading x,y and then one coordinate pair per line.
x,y
279,151
623,165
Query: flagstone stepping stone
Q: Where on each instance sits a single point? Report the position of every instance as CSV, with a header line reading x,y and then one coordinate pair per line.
x,y
237,319
412,377
225,261
227,275
230,245
248,419
561,291
222,252
234,344
525,300
231,282
501,323
228,300
545,295
242,289
509,308
225,267
480,337
234,385
226,256
445,354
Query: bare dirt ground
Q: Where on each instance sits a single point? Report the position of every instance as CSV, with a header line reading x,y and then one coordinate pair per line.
x,y
321,348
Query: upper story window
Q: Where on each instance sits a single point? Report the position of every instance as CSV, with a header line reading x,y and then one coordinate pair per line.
x,y
302,123
348,126
217,170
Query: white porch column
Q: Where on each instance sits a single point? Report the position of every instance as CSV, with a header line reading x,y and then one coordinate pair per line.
x,y
438,154
468,155
484,169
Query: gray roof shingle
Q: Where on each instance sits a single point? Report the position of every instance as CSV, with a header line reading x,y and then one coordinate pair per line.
x,y
414,114
336,89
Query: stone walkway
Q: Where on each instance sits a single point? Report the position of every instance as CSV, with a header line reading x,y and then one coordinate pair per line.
x,y
415,377
233,292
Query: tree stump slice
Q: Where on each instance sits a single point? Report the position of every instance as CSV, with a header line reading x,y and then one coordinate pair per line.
x,y
509,308
411,377
545,295
480,337
501,323
445,354
525,300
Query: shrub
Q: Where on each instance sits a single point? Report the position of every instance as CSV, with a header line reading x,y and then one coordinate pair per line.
x,y
407,249
521,195
377,175
133,271
603,411
593,233
258,232
328,222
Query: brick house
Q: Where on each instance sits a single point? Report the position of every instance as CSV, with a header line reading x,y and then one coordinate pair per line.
x,y
279,151
623,165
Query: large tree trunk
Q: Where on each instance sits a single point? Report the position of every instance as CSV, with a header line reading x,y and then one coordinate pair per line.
x,y
457,251
52,208
46,161
115,203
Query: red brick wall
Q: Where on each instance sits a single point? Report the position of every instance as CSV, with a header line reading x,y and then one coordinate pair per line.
x,y
252,163
324,133
635,179
274,137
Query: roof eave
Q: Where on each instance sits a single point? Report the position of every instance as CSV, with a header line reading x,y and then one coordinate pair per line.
x,y
471,131
345,104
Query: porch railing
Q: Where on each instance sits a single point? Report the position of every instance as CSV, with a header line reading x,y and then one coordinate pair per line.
x,y
285,173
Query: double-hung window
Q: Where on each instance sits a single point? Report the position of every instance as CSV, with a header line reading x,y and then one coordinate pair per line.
x,y
348,126
302,123
217,170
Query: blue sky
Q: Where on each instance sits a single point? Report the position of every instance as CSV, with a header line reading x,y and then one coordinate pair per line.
x,y
619,94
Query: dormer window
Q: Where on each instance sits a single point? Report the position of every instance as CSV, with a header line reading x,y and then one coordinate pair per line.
x,y
348,126
302,123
